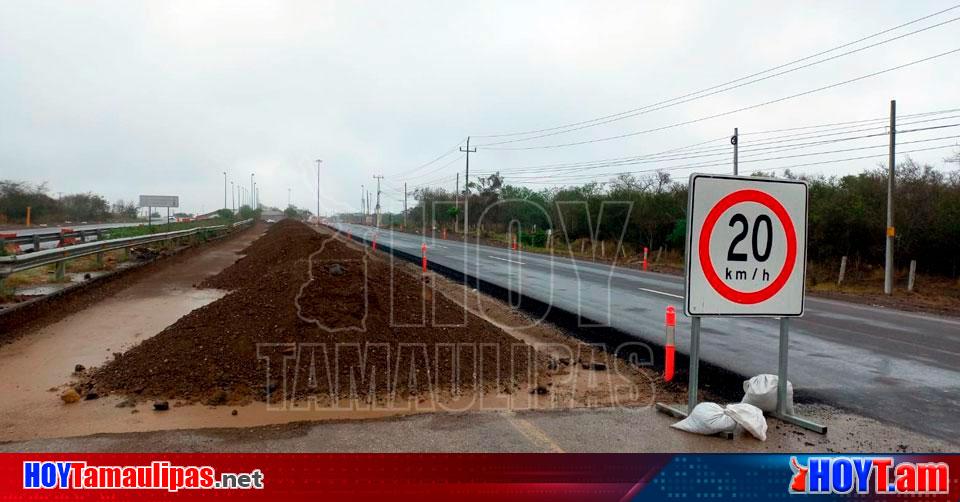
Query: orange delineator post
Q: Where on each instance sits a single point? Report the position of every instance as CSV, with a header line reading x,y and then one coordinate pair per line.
x,y
670,347
645,258
423,254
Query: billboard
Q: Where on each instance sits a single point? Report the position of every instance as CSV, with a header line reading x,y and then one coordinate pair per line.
x,y
159,201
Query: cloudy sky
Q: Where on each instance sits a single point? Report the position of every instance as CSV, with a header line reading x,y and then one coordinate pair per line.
x,y
123,98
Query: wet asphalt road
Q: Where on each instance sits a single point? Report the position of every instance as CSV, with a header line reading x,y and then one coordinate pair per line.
x,y
898,367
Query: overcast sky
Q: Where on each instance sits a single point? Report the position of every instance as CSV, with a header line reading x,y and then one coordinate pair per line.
x,y
126,98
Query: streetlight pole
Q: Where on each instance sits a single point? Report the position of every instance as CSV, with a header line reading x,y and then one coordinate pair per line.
x,y
224,189
318,191
233,198
252,192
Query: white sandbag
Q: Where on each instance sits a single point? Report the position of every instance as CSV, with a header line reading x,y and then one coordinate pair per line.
x,y
707,418
761,391
749,417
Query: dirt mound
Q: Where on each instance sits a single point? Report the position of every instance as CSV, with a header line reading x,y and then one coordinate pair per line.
x,y
321,318
284,242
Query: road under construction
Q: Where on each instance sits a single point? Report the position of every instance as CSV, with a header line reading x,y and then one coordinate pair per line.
x,y
288,337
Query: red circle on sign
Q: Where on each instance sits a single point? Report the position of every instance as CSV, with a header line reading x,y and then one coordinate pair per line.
x,y
704,247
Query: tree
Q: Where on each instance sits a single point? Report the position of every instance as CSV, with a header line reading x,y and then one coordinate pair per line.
x,y
85,206
247,212
124,210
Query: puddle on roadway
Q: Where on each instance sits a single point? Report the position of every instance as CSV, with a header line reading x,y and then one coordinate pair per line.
x,y
45,359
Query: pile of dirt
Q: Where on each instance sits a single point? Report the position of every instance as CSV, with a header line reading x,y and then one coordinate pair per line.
x,y
322,318
286,241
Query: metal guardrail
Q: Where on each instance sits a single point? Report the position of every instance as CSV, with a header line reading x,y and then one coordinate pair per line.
x,y
34,240
63,238
18,263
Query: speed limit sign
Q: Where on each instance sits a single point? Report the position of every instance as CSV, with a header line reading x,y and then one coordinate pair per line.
x,y
746,246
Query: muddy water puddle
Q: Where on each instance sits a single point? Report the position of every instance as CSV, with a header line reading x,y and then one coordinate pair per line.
x,y
34,368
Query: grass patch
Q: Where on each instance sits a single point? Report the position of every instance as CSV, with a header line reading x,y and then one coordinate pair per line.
x,y
122,232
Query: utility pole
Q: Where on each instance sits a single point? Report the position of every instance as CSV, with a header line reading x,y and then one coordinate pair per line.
x,y
891,174
378,178
404,204
369,210
224,189
456,198
466,189
251,194
735,141
318,191
233,198
363,203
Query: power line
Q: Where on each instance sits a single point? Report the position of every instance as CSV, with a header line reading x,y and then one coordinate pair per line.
x,y
692,148
428,173
645,111
749,160
437,159
879,119
731,112
791,63
725,151
792,166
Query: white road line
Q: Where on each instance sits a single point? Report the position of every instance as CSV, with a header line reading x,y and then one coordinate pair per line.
x,y
661,293
505,259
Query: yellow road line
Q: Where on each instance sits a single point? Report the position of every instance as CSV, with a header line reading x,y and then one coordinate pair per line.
x,y
533,433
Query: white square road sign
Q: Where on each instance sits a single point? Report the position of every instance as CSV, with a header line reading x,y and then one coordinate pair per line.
x,y
746,246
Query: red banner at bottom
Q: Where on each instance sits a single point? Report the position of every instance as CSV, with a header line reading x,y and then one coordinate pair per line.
x,y
505,477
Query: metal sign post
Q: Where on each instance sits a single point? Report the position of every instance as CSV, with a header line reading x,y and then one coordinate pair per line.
x,y
745,256
694,380
152,201
781,412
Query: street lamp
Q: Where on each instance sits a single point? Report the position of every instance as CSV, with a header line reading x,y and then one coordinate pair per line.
x,y
224,189
318,191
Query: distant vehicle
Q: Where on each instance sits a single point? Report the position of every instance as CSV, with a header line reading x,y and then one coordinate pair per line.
x,y
171,219
271,220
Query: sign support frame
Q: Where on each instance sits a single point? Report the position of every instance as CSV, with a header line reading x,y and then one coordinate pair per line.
x,y
680,411
693,376
782,381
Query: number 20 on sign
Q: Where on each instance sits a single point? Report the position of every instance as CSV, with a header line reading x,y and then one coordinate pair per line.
x,y
746,246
